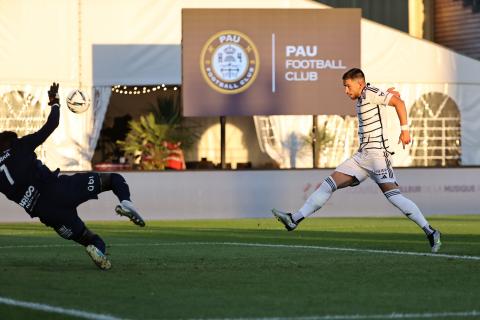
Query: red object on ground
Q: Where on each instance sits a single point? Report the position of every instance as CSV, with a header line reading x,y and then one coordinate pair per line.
x,y
175,159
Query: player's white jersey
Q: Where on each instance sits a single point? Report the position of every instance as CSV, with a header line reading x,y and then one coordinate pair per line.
x,y
369,109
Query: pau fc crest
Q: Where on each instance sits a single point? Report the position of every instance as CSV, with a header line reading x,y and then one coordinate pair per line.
x,y
229,62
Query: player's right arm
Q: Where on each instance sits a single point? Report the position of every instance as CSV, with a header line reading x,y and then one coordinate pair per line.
x,y
402,117
37,138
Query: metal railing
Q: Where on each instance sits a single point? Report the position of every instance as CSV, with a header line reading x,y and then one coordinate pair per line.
x,y
436,141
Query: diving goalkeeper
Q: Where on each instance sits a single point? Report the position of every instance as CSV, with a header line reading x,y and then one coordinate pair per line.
x,y
54,198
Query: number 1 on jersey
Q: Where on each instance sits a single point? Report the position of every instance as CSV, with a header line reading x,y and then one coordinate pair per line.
x,y
9,177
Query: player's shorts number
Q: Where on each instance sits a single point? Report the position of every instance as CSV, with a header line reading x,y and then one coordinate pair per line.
x,y
9,177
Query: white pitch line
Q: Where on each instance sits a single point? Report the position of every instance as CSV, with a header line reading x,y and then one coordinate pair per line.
x,y
407,253
59,310
97,316
21,246
269,245
428,315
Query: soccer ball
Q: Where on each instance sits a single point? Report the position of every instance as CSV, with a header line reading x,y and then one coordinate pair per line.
x,y
77,101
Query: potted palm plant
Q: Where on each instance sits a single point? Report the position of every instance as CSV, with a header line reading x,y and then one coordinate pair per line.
x,y
159,134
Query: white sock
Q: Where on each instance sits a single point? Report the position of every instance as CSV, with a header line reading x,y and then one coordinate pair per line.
x,y
409,208
316,200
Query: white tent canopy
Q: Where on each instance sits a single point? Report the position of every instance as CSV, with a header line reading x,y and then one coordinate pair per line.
x,y
137,42
97,44
112,42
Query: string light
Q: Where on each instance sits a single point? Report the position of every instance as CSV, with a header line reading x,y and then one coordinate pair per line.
x,y
137,90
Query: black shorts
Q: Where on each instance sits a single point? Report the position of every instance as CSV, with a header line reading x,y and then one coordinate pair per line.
x,y
58,202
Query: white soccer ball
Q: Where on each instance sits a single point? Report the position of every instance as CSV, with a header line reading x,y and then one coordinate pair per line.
x,y
77,101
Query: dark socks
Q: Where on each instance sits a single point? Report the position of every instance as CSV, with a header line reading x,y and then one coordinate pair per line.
x,y
116,183
428,230
89,237
120,187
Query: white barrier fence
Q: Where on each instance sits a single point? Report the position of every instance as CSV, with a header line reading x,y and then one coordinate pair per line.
x,y
248,194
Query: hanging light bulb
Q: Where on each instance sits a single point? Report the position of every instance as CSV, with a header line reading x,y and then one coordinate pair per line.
x,y
136,90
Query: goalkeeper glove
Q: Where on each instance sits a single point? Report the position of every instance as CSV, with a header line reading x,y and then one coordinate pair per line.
x,y
53,97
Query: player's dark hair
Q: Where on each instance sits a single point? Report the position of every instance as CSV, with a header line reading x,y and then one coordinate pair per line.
x,y
352,74
6,139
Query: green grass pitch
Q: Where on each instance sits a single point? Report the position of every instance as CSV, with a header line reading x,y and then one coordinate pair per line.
x,y
248,268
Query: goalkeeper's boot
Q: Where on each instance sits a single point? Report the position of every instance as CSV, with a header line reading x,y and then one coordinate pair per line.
x,y
286,219
98,257
434,240
126,209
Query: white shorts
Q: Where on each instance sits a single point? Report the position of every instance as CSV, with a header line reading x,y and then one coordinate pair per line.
x,y
377,165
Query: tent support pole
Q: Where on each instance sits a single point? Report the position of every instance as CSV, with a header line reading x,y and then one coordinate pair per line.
x,y
223,121
314,141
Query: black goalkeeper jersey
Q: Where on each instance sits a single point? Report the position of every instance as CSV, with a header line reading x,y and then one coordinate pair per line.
x,y
22,175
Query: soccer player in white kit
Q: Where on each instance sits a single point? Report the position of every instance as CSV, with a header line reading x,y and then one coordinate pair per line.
x,y
373,158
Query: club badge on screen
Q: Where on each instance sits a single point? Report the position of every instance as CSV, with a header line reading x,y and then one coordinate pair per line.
x,y
229,62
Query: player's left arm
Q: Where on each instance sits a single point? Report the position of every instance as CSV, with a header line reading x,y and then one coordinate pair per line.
x,y
399,106
37,138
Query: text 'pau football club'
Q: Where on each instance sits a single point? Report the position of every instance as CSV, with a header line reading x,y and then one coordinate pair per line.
x,y
303,67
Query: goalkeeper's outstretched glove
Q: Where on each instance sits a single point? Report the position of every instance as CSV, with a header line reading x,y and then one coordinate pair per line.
x,y
53,97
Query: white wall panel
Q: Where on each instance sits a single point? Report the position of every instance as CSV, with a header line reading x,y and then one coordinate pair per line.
x,y
248,194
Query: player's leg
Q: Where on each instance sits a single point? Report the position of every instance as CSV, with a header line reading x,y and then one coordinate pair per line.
x,y
117,184
95,248
411,210
337,180
346,174
70,227
87,237
382,173
81,187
